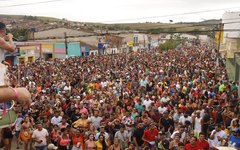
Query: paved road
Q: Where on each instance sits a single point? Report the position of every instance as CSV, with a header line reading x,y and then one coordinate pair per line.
x,y
14,145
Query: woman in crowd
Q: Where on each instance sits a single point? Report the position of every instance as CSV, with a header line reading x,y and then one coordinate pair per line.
x,y
116,145
64,140
90,143
101,143
55,135
26,132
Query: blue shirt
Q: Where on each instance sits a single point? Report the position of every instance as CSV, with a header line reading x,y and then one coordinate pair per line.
x,y
235,141
139,107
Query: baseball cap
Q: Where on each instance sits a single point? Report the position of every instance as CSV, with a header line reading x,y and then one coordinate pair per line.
x,y
52,147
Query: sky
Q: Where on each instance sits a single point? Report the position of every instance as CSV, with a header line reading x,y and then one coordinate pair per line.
x,y
122,11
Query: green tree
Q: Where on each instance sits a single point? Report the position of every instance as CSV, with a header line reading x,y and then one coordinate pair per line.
x,y
20,33
170,44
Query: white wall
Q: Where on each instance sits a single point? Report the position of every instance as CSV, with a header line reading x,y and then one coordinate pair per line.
x,y
231,20
204,39
93,52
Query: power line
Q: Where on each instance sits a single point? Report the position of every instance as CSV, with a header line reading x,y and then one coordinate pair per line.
x,y
25,4
171,15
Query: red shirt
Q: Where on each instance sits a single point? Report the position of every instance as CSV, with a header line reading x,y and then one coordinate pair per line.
x,y
203,145
190,147
150,135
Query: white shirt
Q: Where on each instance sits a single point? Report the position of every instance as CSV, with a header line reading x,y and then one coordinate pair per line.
x,y
197,124
67,88
2,57
18,123
95,121
105,134
183,135
215,141
147,103
123,136
164,99
176,117
40,135
161,109
56,121
182,119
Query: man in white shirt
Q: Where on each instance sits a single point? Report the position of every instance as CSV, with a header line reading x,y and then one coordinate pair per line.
x,y
95,120
177,116
165,99
217,136
181,132
123,135
184,118
147,102
197,123
56,120
40,136
162,109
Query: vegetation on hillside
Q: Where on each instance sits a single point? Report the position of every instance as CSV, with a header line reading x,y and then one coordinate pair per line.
x,y
170,44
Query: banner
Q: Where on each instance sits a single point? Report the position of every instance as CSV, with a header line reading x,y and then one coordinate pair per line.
x,y
130,43
219,36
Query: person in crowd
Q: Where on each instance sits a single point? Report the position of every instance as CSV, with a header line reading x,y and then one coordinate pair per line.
x,y
116,145
55,135
101,143
17,127
40,137
7,136
83,122
26,133
234,139
196,119
78,139
202,142
6,41
163,143
56,120
123,136
95,120
90,143
192,145
175,142
217,137
181,132
64,140
150,135
137,135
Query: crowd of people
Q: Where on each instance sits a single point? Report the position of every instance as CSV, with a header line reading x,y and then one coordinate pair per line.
x,y
165,100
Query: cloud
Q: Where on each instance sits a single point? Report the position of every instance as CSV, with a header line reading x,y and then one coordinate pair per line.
x,y
110,10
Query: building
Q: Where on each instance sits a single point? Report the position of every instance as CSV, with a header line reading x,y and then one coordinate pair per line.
x,y
230,43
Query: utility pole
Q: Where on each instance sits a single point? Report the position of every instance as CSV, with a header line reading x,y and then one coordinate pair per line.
x,y
66,44
220,35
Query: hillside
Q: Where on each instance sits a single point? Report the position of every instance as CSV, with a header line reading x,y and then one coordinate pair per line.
x,y
35,24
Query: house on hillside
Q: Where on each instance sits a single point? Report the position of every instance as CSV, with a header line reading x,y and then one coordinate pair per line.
x,y
59,33
230,43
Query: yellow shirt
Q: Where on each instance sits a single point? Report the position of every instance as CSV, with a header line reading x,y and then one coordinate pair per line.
x,y
99,145
222,87
81,123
